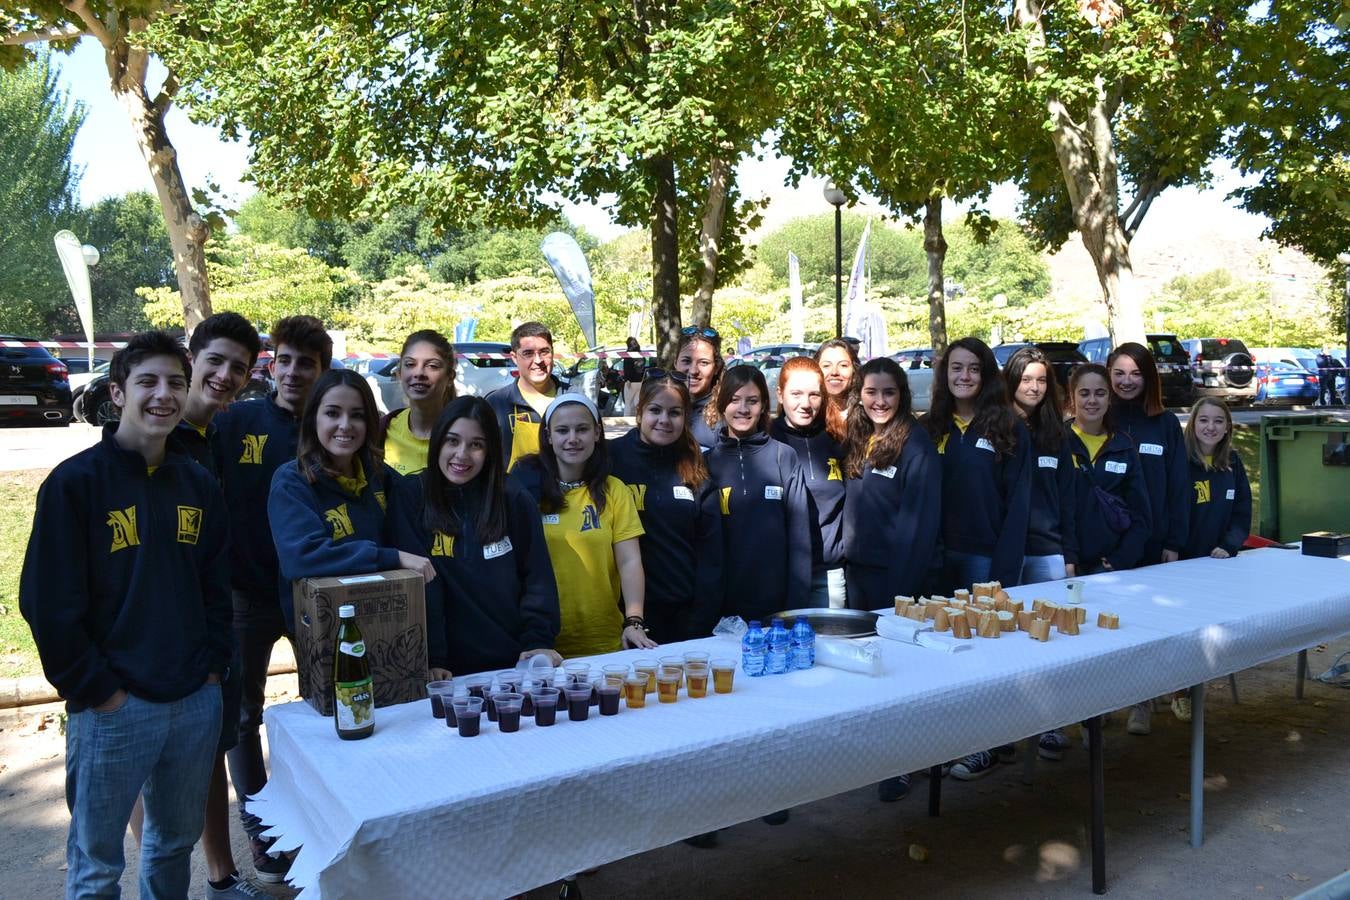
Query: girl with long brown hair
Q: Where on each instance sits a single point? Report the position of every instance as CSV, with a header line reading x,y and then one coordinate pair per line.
x,y
698,360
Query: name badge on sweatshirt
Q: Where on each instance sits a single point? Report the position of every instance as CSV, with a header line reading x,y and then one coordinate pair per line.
x,y
683,493
888,472
773,492
551,519
1230,494
1048,462
500,548
983,444
1151,449
1116,468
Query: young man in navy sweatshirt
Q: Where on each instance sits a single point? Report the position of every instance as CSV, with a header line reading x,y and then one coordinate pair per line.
x,y
124,588
520,406
250,442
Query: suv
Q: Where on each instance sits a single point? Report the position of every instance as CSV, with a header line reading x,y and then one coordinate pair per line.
x,y
34,385
1223,368
1174,364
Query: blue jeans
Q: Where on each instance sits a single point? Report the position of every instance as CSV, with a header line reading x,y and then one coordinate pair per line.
x,y
827,589
1036,569
164,751
965,569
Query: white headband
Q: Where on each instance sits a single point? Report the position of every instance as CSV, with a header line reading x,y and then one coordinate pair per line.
x,y
563,399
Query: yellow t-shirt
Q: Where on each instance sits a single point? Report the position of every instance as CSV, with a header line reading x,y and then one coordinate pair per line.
x,y
404,452
961,423
355,483
581,546
1093,442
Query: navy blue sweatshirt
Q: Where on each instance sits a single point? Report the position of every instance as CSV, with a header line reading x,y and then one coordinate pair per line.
x,y
1051,522
196,444
821,460
126,583
489,603
705,434
1118,471
251,440
323,529
892,516
682,546
766,525
1162,452
1221,508
986,499
509,405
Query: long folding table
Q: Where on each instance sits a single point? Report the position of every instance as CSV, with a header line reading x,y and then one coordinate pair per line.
x,y
417,811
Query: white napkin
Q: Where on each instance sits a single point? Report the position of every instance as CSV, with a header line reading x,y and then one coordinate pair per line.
x,y
851,655
920,634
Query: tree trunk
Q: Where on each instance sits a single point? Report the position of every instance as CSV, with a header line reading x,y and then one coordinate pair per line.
x,y
935,246
710,239
665,258
1087,159
187,231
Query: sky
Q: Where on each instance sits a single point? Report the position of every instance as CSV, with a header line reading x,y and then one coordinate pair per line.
x,y
105,152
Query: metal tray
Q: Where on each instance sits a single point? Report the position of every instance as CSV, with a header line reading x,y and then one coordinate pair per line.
x,y
847,623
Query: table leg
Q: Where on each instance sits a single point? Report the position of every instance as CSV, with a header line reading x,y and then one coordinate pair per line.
x,y
1232,686
1097,836
1302,674
934,790
1198,765
1029,759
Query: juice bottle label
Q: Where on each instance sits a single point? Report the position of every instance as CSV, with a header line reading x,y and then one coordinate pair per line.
x,y
355,704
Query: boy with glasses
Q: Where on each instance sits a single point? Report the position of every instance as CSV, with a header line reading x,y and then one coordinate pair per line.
x,y
520,406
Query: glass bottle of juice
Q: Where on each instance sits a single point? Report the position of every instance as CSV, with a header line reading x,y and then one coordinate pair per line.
x,y
353,693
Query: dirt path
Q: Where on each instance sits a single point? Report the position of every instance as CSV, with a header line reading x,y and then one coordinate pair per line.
x,y
1276,788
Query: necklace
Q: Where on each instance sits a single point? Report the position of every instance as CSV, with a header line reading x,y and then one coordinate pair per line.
x,y
570,485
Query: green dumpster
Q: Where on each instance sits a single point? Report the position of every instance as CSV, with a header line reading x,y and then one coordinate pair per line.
x,y
1305,475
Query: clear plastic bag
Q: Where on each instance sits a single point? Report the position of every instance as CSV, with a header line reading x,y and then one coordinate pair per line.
x,y
849,654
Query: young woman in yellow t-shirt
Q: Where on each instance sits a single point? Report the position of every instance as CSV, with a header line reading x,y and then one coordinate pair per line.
x,y
591,527
426,369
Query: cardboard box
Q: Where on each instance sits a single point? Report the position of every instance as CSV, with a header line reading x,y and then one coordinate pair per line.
x,y
391,610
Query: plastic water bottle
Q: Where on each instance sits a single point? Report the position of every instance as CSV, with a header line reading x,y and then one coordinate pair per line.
x,y
780,643
803,655
752,650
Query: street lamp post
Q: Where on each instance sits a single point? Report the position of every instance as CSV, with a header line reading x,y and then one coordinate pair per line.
x,y
836,198
1344,259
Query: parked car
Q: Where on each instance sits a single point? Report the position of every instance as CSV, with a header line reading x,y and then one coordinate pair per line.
x,y
93,404
1223,368
34,385
581,376
1303,357
769,359
79,365
1063,355
1174,364
1284,384
922,355
78,380
918,367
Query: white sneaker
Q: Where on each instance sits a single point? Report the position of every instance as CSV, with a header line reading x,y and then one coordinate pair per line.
x,y
1141,718
1181,708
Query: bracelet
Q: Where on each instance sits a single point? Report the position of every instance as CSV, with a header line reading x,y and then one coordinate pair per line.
x,y
635,622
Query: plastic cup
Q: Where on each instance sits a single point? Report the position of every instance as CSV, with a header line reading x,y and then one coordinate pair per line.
x,y
673,662
647,667
468,715
615,674
668,684
508,711
696,679
609,698
597,679
478,685
635,690
440,693
545,706
724,673
579,701
697,656
577,671
509,680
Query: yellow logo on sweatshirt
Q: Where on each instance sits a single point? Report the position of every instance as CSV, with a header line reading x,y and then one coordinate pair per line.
x,y
835,473
726,501
942,444
639,492
443,544
1202,492
123,524
189,524
379,498
341,522
253,449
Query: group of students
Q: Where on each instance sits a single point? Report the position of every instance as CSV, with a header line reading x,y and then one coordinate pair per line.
x,y
537,535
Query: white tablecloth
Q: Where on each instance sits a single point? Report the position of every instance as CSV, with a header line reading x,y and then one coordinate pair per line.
x,y
417,811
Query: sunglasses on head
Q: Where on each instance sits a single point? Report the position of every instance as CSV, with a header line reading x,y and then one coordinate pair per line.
x,y
654,373
710,333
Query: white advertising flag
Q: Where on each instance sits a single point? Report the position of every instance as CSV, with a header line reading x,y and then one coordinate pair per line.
x,y
795,294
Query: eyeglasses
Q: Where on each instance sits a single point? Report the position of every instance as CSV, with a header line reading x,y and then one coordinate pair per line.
x,y
529,355
652,373
710,333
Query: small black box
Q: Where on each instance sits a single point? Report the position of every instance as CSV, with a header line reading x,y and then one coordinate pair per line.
x,y
1331,544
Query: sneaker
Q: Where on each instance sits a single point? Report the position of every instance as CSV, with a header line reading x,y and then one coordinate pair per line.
x,y
778,818
1005,753
1141,718
1052,744
1181,708
240,889
893,789
266,867
976,765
